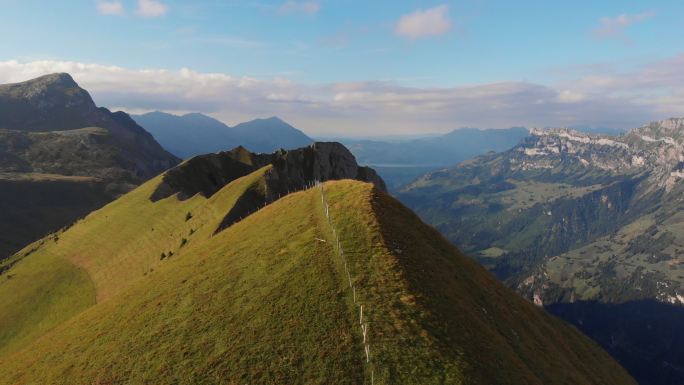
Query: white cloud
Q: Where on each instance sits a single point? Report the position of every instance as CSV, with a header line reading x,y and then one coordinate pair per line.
x,y
614,27
110,8
151,8
306,7
619,100
424,23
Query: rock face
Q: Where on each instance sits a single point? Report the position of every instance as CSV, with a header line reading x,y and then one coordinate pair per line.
x,y
567,217
320,161
292,170
48,103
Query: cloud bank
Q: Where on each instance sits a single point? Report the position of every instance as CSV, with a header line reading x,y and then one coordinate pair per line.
x,y
616,100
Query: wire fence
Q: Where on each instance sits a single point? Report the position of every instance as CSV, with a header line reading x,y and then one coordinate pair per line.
x,y
363,322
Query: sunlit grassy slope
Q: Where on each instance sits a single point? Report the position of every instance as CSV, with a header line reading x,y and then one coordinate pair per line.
x,y
266,301
59,276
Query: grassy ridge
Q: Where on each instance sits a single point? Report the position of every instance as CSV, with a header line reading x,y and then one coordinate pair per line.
x,y
265,301
247,306
55,278
430,301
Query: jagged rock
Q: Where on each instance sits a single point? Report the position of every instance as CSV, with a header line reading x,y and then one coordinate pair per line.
x,y
292,170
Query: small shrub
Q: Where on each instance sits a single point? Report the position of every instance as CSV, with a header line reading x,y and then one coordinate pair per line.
x,y
188,216
183,242
163,256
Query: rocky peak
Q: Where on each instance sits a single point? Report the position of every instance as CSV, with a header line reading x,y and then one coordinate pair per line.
x,y
206,174
48,103
318,161
58,88
47,108
62,79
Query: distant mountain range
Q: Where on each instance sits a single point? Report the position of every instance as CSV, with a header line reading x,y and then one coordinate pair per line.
x,y
235,268
61,157
581,224
195,134
400,162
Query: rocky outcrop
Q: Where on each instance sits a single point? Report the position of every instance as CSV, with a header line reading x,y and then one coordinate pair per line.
x,y
48,103
291,170
320,161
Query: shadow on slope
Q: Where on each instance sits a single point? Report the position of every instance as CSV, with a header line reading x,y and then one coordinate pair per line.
x,y
646,337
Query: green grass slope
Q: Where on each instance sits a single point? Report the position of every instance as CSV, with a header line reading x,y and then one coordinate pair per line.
x,y
61,275
267,301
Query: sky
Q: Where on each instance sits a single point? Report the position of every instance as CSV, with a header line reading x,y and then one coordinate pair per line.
x,y
362,68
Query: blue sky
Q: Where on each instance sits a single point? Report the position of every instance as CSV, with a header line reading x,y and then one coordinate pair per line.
x,y
350,67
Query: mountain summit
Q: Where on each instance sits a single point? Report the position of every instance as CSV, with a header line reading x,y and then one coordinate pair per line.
x,y
48,103
51,106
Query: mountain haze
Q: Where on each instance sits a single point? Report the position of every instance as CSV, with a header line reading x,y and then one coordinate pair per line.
x,y
195,134
400,162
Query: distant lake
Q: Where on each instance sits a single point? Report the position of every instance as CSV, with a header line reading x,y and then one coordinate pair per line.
x,y
396,175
